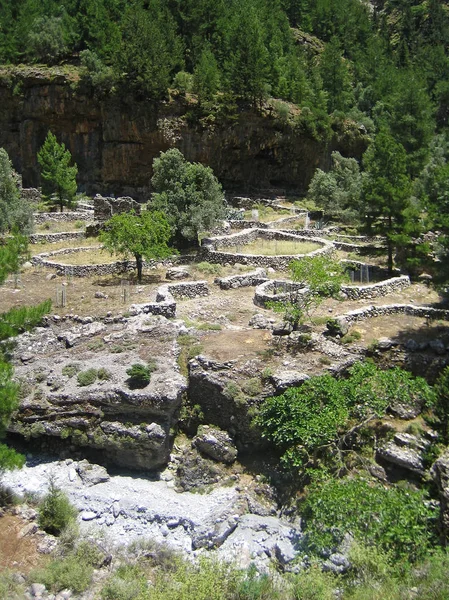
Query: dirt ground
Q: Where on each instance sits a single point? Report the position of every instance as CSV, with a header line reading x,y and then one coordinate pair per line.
x,y
227,313
16,552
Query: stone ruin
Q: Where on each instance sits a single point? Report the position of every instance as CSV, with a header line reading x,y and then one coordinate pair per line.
x,y
105,208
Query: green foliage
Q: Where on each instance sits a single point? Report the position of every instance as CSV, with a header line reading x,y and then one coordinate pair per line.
x,y
95,73
15,213
188,193
441,403
386,193
336,77
310,422
142,236
24,318
323,277
71,369
396,520
71,573
13,252
338,191
209,268
58,177
127,583
55,511
87,377
140,375
150,51
48,41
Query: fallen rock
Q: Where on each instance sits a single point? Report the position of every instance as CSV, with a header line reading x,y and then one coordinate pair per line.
x,y
286,379
176,273
405,457
260,321
92,474
215,444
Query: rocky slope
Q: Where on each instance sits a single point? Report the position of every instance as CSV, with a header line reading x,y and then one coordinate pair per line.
x,y
115,139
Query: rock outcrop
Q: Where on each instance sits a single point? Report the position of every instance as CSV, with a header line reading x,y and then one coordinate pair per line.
x,y
114,140
75,388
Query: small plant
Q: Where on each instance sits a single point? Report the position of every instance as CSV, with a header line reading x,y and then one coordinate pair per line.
x,y
352,336
266,373
209,327
78,224
69,573
88,377
252,387
96,344
139,375
71,369
209,268
55,511
103,374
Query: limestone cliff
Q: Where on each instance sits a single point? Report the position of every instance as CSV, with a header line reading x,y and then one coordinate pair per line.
x,y
115,139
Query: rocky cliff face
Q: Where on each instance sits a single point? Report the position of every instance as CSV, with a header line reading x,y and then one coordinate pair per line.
x,y
114,140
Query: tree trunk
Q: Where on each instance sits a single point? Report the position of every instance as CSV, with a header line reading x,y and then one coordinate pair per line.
x,y
139,266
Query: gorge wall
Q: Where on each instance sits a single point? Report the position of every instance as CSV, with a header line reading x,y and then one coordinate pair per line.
x,y
115,139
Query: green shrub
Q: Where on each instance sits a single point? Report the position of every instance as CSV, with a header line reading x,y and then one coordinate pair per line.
x,y
87,377
313,584
9,588
209,327
103,374
78,224
71,369
127,583
71,573
55,511
397,521
209,268
253,386
352,336
139,375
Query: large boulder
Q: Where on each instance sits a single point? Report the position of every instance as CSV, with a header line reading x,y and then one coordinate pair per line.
x,y
215,444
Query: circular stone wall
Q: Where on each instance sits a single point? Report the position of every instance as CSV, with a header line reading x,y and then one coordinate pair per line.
x,y
214,249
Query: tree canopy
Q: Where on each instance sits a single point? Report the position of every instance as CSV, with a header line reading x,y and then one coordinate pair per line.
x,y
15,212
143,236
58,177
188,193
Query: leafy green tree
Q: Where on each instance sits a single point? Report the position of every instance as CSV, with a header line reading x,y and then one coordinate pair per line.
x,y
247,64
338,191
143,236
188,193
15,212
48,40
386,191
59,178
55,512
13,252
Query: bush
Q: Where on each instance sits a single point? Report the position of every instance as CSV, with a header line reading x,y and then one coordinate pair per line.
x,y
103,374
71,369
87,377
208,268
55,511
71,573
397,520
139,375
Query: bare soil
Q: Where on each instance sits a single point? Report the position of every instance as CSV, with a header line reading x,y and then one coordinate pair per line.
x,y
18,553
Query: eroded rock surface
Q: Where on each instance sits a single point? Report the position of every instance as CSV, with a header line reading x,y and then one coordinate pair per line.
x,y
75,387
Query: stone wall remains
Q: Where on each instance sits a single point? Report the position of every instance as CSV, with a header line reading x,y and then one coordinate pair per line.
x,y
278,290
368,312
374,290
37,238
105,208
242,280
43,217
209,248
165,304
32,195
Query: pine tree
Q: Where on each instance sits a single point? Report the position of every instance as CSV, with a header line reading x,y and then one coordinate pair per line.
x,y
59,178
336,77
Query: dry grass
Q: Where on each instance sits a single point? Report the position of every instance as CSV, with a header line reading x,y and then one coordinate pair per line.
x,y
52,246
263,247
60,227
266,215
86,257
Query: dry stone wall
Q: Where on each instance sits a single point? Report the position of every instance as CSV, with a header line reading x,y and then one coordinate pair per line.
x,y
37,238
66,217
105,208
281,262
244,280
278,290
368,312
165,303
